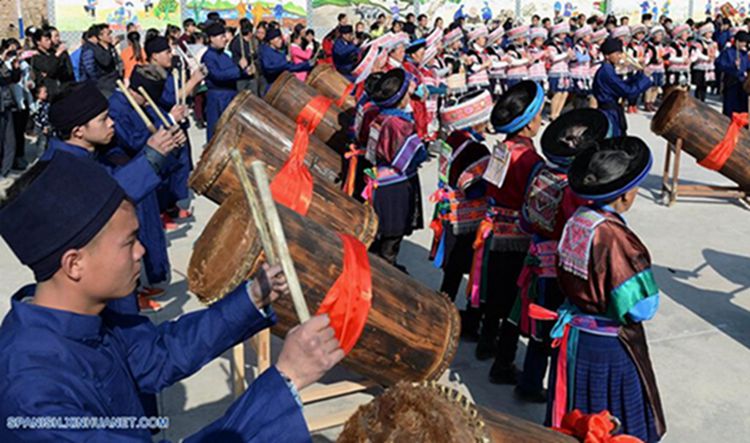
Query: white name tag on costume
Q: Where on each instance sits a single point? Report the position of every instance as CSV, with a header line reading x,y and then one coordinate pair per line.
x,y
498,165
372,143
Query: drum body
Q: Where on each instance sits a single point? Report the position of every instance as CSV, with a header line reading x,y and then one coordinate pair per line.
x,y
429,412
411,333
701,128
262,133
329,82
290,96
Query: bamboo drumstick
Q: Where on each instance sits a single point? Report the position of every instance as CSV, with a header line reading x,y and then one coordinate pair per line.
x,y
156,109
255,207
136,107
279,240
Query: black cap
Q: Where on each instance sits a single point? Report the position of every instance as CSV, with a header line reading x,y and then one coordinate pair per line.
x,y
214,28
76,106
155,45
742,36
65,203
272,33
346,29
611,45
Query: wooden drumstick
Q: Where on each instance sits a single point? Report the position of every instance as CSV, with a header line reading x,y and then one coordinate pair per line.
x,y
241,41
176,86
136,107
156,109
279,240
183,80
255,206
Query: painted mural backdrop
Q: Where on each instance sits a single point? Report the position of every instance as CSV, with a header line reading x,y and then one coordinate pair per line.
x,y
324,12
286,12
77,15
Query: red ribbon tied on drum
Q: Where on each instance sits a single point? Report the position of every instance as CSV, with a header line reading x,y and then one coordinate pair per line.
x,y
293,185
723,150
348,301
347,92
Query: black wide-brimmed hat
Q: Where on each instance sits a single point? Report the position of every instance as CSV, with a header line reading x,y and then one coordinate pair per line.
x,y
571,133
610,168
391,88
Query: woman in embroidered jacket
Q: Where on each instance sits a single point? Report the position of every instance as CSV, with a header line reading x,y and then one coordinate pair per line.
x,y
501,244
394,184
548,204
460,200
604,270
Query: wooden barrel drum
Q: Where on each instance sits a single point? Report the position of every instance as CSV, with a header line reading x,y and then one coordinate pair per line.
x,y
261,132
701,128
329,82
428,412
411,333
289,95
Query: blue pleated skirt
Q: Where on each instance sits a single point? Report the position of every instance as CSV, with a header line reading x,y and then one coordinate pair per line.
x,y
606,378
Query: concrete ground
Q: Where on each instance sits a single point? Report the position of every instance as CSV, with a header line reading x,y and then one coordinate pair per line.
x,y
699,339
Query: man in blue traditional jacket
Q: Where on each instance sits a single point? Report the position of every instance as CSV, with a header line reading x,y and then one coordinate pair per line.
x,y
273,59
175,188
130,137
609,88
345,52
80,117
68,357
222,76
733,64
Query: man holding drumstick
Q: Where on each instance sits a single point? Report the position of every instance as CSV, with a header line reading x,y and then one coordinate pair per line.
x,y
69,355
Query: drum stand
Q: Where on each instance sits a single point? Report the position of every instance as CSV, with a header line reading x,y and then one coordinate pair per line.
x,y
671,188
261,344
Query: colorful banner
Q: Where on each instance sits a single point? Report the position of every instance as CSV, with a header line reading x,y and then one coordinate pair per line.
x,y
79,15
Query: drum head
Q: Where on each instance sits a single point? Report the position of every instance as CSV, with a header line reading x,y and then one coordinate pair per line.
x,y
416,412
226,253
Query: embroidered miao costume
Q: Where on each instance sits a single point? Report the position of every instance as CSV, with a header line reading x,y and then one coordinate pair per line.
x,y
703,53
501,244
678,58
538,57
460,199
393,187
559,71
604,270
478,69
516,57
580,66
498,68
597,58
548,204
654,58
